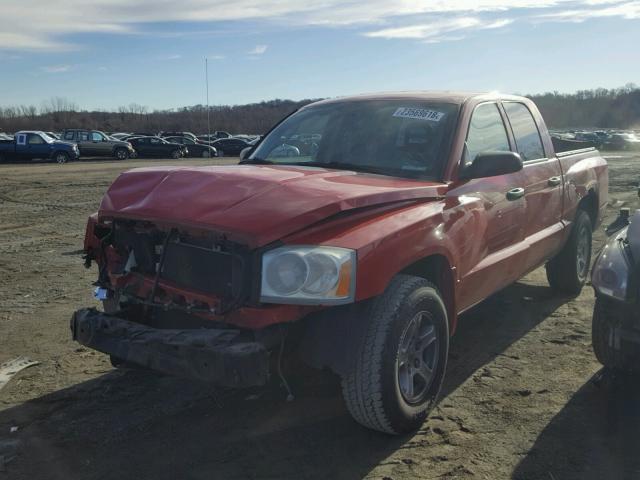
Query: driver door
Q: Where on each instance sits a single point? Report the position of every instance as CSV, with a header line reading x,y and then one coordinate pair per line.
x,y
494,256
99,144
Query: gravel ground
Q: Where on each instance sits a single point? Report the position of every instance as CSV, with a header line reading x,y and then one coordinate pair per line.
x,y
524,396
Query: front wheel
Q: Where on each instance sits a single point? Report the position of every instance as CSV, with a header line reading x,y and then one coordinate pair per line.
x,y
122,154
176,154
400,359
206,154
61,157
567,272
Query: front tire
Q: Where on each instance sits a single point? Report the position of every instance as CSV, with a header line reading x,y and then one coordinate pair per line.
x,y
122,154
567,272
611,350
61,157
400,358
176,154
206,154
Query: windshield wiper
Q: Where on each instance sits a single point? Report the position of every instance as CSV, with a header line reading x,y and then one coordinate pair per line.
x,y
255,161
344,166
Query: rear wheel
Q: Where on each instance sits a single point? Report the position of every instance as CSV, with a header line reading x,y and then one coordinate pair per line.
x,y
568,271
176,154
400,360
220,153
611,350
61,157
206,154
122,154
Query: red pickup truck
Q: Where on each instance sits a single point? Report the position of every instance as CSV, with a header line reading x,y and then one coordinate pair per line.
x,y
352,236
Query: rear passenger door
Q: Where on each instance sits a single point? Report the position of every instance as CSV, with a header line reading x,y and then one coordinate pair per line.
x,y
84,143
543,185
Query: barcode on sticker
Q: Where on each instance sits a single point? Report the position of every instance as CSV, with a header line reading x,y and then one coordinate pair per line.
x,y
418,114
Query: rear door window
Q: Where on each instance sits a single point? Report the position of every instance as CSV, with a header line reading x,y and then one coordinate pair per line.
x,y
487,133
69,135
83,136
525,131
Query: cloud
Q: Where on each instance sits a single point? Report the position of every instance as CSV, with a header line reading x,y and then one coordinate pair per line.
x,y
435,31
174,56
216,57
258,50
52,23
626,10
56,68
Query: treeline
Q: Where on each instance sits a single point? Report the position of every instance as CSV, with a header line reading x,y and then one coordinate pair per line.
x,y
603,108
60,113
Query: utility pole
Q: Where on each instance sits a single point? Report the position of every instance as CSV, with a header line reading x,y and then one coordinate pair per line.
x,y
206,76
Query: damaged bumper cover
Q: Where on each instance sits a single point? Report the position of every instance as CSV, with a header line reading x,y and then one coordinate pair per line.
x,y
213,355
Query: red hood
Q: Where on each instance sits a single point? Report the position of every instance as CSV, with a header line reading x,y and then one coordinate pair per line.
x,y
252,204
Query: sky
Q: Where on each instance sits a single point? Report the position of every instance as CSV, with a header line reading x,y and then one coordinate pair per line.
x,y
102,54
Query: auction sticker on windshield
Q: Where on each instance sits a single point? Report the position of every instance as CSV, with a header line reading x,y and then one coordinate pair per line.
x,y
418,114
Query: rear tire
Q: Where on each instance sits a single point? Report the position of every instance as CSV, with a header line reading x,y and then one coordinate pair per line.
x,y
400,358
176,154
206,154
611,350
567,272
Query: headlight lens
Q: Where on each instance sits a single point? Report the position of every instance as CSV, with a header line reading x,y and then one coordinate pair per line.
x,y
308,275
610,275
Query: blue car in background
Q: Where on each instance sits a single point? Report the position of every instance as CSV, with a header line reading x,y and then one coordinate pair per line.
x,y
29,145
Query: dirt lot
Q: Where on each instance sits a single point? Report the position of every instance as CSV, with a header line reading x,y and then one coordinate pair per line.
x,y
523,396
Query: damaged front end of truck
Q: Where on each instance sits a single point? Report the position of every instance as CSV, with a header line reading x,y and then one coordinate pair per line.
x,y
167,295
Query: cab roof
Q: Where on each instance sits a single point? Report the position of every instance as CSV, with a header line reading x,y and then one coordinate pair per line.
x,y
447,96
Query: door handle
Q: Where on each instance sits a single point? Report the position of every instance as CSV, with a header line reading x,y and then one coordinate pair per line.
x,y
554,181
515,194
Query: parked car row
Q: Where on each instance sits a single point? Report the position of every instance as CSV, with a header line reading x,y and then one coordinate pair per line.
x,y
603,139
92,143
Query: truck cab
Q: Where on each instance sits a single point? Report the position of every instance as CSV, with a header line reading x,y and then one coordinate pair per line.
x,y
30,145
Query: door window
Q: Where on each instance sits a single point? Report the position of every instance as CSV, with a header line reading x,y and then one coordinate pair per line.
x,y
83,136
486,133
96,136
525,131
35,139
69,135
155,141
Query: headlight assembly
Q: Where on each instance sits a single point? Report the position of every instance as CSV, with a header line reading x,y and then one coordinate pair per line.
x,y
308,275
610,275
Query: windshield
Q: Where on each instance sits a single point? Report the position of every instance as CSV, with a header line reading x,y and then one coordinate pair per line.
x,y
47,138
396,137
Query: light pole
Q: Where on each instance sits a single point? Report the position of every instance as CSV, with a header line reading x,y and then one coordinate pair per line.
x,y
206,76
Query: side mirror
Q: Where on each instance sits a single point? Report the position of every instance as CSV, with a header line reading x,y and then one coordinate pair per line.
x,y
244,154
491,164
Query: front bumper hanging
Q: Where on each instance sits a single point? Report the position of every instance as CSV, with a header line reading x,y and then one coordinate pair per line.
x,y
213,355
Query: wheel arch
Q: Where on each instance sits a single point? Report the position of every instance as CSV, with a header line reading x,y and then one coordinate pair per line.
x,y
590,204
438,269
